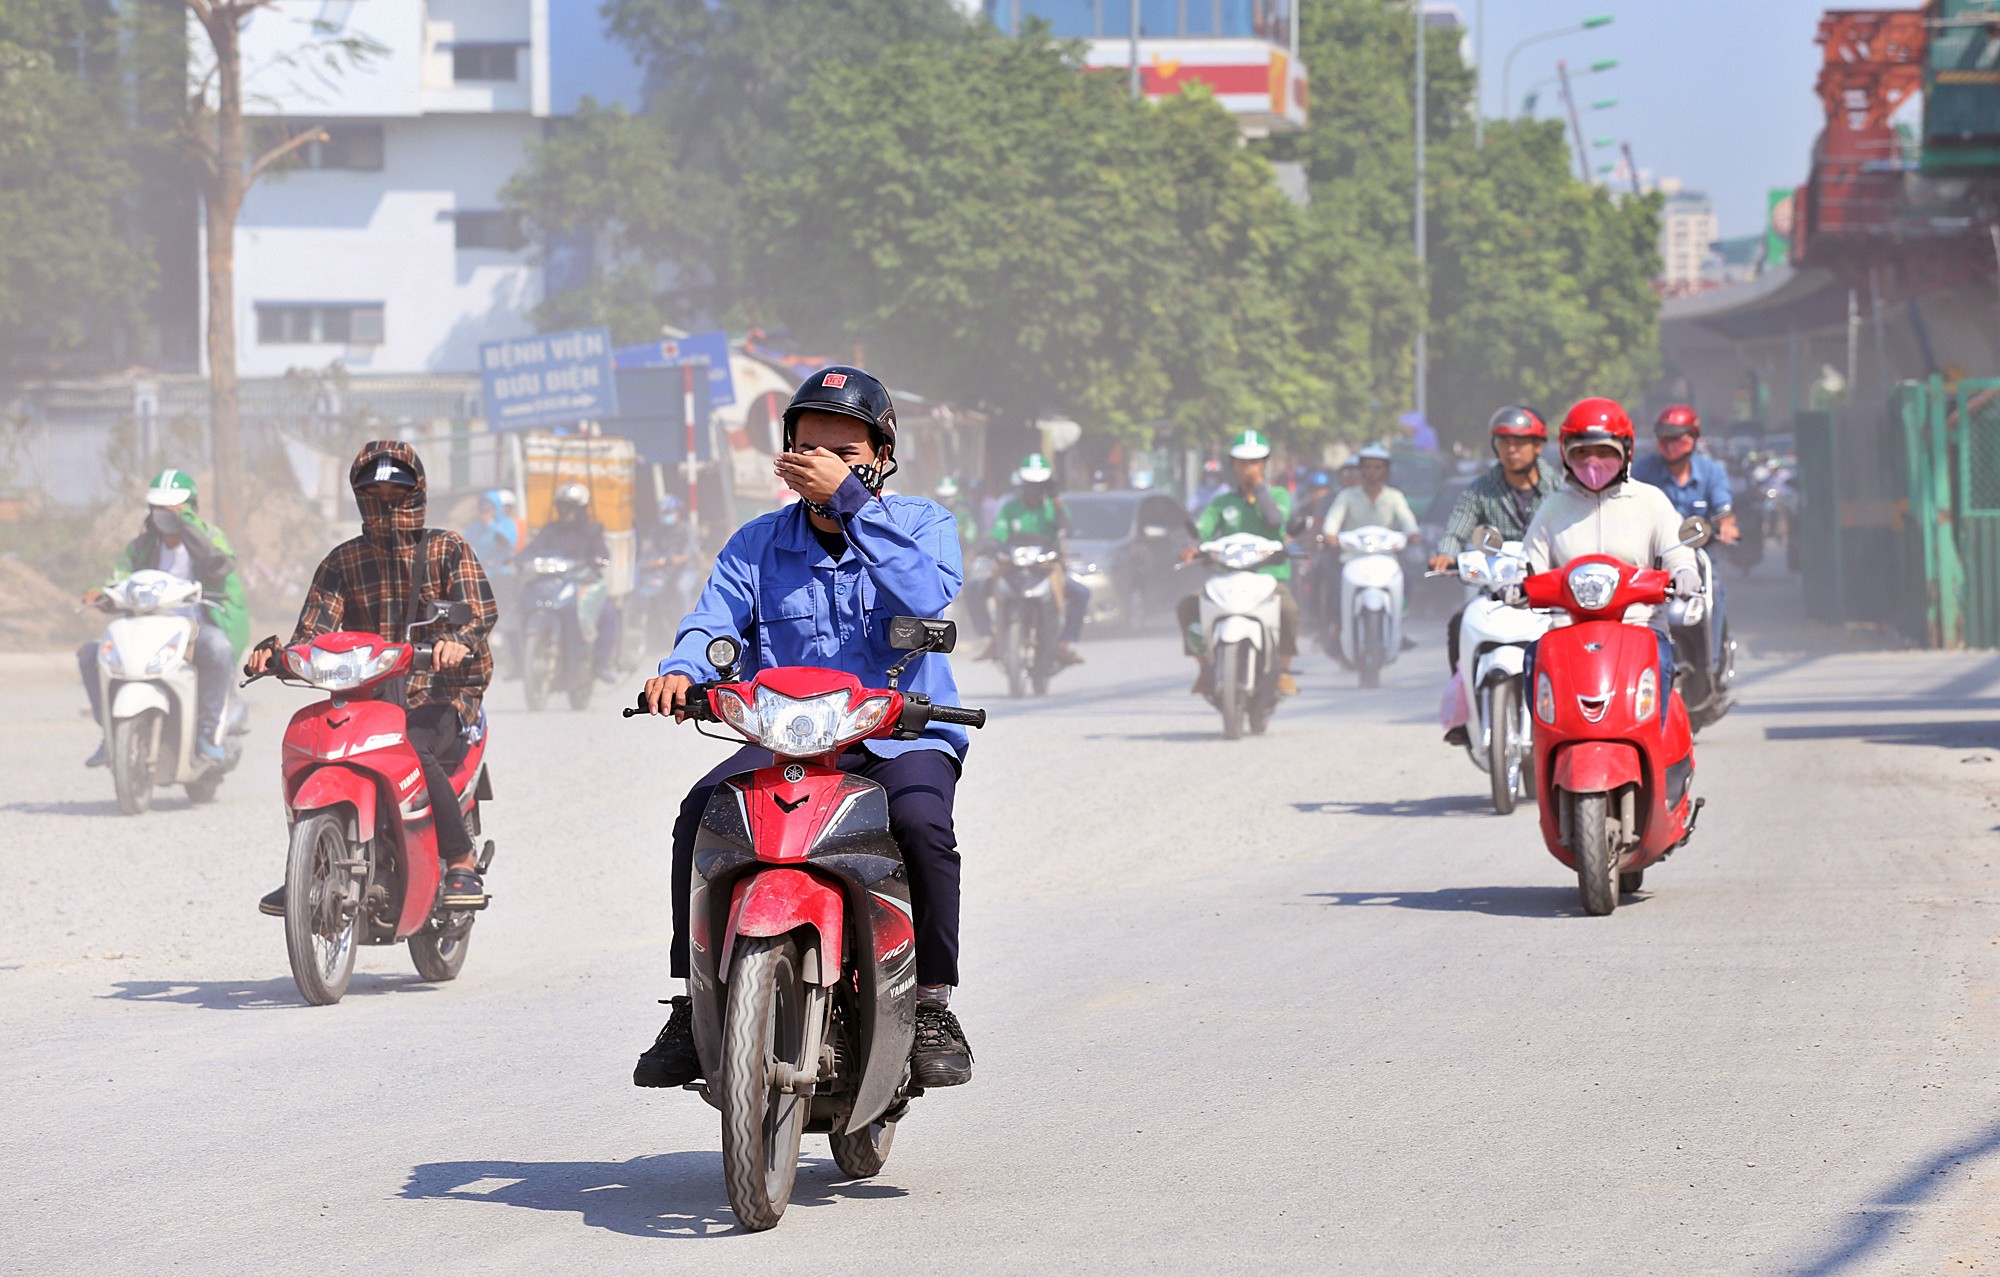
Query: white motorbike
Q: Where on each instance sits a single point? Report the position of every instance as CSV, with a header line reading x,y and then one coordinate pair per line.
x,y
149,685
1371,600
1704,668
1239,629
1493,640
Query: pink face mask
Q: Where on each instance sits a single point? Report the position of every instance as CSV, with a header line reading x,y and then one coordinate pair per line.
x,y
1596,472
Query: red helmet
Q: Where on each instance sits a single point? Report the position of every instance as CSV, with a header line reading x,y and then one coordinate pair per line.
x,y
1517,422
1597,421
1678,419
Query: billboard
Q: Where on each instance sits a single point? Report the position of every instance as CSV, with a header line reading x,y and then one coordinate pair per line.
x,y
554,379
705,350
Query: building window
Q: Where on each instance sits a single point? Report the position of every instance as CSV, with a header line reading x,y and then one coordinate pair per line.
x,y
319,323
484,228
352,147
485,62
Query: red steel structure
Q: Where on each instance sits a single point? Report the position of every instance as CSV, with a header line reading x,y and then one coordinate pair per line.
x,y
1874,64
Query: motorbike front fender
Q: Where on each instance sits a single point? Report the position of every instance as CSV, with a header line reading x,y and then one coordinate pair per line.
x,y
777,901
1237,629
134,699
1509,661
1598,766
1372,599
334,786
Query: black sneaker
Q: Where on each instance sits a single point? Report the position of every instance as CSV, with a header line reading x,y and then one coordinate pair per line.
x,y
274,903
463,890
98,759
940,1056
672,1059
1458,736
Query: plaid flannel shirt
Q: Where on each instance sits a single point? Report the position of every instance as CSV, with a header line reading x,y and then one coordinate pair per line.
x,y
359,588
1490,501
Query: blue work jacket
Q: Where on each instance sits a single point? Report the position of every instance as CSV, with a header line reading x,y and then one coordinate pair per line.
x,y
1705,494
775,589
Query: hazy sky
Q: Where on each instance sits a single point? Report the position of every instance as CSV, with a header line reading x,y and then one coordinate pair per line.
x,y
1718,93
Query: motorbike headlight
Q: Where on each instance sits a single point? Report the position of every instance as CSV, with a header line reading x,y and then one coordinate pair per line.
x,y
548,565
169,652
1509,571
1545,698
1592,586
341,671
801,727
1026,556
1646,696
144,596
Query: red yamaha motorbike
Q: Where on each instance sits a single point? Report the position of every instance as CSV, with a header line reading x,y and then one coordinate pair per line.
x,y
363,866
1614,759
801,944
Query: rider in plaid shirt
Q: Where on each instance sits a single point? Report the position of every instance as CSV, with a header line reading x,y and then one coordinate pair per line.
x,y
364,585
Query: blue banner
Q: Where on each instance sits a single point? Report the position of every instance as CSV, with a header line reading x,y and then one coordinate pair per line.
x,y
551,380
708,350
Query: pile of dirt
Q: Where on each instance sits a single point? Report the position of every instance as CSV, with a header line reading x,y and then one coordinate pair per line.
x,y
35,613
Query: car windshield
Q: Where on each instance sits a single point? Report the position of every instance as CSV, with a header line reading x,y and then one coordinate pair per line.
x,y
1093,518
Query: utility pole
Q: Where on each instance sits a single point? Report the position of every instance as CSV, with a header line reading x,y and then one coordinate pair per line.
x,y
1423,268
1631,167
1575,123
1135,49
1479,77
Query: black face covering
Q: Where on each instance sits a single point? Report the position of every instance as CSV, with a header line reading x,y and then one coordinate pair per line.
x,y
165,520
392,526
872,478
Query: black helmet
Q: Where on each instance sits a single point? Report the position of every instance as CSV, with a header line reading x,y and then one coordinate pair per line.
x,y
849,392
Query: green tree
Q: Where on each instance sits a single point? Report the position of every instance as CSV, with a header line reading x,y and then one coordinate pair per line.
x,y
72,275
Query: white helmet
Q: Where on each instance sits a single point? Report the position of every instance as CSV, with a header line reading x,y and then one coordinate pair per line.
x,y
1373,452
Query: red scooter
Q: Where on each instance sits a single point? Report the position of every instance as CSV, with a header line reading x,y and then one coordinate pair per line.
x,y
801,944
364,866
1614,759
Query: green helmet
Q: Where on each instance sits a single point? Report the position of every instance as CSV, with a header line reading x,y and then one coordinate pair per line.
x,y
171,488
1249,445
1035,468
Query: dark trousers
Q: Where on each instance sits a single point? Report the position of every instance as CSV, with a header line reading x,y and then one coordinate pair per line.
x,y
921,784
1188,611
436,733
1451,641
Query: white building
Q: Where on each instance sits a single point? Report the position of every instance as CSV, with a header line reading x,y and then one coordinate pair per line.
x,y
1688,231
387,248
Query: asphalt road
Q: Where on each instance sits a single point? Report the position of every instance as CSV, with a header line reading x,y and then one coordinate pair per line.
x,y
1297,1001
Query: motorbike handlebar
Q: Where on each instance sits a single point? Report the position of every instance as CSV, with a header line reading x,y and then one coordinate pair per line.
x,y
961,717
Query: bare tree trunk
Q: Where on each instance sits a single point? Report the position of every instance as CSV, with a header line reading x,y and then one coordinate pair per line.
x,y
222,197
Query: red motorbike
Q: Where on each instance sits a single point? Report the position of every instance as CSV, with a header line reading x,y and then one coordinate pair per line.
x,y
801,944
363,866
1614,759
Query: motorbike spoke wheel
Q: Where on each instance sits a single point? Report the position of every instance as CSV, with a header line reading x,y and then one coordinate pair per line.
x,y
1596,858
439,955
321,915
861,1153
763,1026
1503,755
539,673
1232,679
132,763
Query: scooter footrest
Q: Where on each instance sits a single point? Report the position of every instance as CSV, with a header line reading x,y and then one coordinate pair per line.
x,y
485,856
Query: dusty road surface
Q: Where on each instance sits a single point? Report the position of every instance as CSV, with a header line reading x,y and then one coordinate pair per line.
x,y
1299,1001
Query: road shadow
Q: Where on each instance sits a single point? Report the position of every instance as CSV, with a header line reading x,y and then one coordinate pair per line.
x,y
660,1195
252,995
1175,737
1959,734
1441,805
1878,1223
1500,902
79,807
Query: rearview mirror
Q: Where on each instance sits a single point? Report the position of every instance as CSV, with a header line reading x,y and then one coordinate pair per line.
x,y
1488,539
451,611
1695,531
920,634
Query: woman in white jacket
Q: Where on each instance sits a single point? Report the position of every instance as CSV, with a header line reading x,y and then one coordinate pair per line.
x,y
1601,509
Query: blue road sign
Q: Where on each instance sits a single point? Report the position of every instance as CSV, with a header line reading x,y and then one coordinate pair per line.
x,y
549,380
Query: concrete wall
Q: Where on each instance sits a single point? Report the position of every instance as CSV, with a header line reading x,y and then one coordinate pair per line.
x,y
312,236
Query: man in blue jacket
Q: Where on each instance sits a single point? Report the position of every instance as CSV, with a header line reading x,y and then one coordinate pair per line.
x,y
1697,484
815,583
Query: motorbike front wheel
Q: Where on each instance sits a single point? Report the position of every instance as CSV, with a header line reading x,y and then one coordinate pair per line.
x,y
1370,640
321,915
1503,763
763,1026
539,669
1014,655
132,762
1232,686
1596,858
